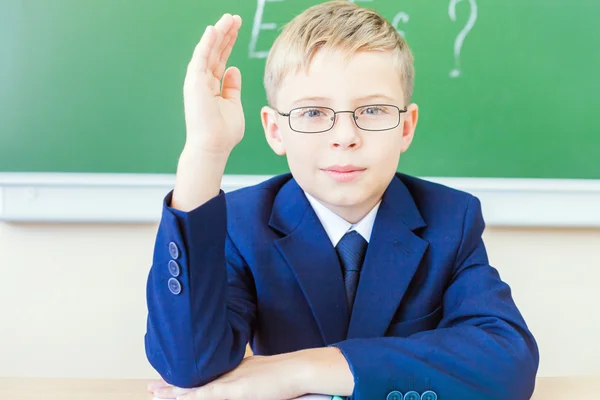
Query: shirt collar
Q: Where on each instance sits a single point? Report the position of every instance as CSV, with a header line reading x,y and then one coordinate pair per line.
x,y
336,227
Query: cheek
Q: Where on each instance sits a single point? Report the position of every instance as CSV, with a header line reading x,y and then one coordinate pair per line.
x,y
302,152
387,152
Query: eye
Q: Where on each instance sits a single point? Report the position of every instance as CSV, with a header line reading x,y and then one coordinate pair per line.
x,y
374,110
312,113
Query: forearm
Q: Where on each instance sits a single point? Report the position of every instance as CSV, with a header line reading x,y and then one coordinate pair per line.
x,y
462,362
492,371
326,371
198,178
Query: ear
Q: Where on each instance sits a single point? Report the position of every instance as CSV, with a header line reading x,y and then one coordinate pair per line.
x,y
409,124
269,120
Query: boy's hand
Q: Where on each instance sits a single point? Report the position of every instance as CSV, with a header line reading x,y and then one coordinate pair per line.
x,y
160,389
279,377
214,116
260,377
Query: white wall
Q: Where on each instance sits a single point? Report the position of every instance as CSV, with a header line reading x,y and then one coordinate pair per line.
x,y
555,275
72,297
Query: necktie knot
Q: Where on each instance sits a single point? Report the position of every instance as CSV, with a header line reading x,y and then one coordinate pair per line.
x,y
351,251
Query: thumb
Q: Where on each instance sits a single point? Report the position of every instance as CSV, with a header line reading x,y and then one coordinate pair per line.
x,y
232,84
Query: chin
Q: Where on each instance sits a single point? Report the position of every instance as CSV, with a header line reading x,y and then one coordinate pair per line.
x,y
342,200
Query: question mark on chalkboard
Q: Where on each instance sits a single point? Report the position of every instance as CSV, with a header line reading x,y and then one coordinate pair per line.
x,y
400,17
458,43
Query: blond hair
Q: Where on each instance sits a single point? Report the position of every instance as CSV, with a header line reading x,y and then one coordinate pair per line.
x,y
335,25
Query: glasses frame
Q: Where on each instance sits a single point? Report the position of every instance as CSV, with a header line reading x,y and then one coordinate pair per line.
x,y
354,117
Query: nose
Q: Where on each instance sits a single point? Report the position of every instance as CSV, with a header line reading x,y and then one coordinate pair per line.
x,y
344,133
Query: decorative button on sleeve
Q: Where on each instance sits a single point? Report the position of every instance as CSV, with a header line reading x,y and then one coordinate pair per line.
x,y
429,395
174,268
412,395
174,250
174,286
394,395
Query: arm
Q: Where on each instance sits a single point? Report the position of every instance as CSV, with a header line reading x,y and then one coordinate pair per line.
x,y
482,348
196,335
199,317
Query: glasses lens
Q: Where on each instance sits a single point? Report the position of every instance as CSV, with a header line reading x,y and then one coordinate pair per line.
x,y
311,119
377,117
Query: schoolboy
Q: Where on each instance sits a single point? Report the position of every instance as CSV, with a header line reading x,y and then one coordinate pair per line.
x,y
346,277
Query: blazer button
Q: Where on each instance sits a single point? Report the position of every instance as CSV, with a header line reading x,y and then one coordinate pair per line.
x,y
174,250
394,395
429,395
412,395
174,268
174,286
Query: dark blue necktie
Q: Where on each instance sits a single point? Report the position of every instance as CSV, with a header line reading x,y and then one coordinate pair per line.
x,y
351,252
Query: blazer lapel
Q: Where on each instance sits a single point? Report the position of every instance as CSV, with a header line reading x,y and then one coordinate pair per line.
x,y
393,256
308,251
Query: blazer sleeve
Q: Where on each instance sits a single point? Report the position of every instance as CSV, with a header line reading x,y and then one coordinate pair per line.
x,y
199,316
481,349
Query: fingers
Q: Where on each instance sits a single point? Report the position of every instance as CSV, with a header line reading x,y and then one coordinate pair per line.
x,y
188,396
171,392
162,390
209,48
222,28
227,47
232,84
209,392
199,61
156,384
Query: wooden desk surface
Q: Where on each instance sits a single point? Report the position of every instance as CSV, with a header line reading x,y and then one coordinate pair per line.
x,y
135,389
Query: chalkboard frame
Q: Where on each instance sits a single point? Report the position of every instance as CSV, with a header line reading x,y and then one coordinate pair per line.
x,y
137,198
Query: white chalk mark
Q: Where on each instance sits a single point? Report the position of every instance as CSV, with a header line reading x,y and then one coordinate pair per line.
x,y
401,17
458,43
258,26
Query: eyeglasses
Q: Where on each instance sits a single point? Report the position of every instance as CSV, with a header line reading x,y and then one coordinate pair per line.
x,y
374,117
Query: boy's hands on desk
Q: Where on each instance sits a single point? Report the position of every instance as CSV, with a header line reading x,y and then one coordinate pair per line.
x,y
279,377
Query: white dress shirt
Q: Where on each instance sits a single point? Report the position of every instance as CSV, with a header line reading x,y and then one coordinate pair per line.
x,y
336,227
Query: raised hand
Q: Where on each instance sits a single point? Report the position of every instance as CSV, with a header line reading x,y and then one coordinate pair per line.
x,y
213,109
214,117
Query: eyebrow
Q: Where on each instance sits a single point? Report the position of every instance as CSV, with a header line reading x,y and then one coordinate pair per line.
x,y
377,96
320,98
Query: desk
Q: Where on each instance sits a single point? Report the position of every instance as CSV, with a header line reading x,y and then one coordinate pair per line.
x,y
135,389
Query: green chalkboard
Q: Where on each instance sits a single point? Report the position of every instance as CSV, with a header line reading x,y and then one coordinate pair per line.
x,y
96,86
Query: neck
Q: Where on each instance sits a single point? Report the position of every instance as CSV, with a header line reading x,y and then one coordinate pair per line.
x,y
354,213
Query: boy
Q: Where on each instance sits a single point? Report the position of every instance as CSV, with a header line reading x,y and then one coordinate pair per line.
x,y
346,277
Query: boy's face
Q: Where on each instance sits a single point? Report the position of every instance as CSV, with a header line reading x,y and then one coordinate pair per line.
x,y
318,160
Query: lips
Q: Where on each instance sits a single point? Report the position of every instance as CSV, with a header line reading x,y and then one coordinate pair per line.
x,y
343,169
344,173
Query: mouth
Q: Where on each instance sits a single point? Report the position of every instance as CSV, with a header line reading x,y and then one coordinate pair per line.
x,y
346,173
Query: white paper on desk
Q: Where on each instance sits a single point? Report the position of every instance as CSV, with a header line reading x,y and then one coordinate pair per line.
x,y
306,397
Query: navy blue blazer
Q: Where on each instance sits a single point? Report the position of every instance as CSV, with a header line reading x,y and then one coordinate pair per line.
x,y
256,266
